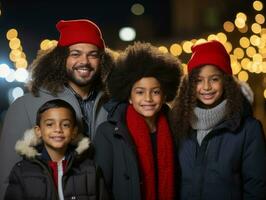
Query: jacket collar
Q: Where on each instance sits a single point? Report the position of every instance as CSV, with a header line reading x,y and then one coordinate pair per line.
x,y
28,145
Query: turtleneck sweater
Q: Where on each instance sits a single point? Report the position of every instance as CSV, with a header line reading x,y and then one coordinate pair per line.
x,y
206,119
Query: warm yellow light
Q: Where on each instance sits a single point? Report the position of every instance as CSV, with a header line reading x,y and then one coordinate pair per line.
x,y
255,40
212,37
12,57
17,53
222,37
242,16
44,44
244,42
239,53
200,41
244,29
244,63
235,66
14,43
263,65
257,57
256,28
163,49
264,93
12,33
240,23
21,63
260,19
250,51
137,9
228,46
228,26
262,51
187,46
257,5
175,49
23,55
243,76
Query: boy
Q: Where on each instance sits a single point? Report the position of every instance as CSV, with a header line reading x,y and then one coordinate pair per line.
x,y
56,163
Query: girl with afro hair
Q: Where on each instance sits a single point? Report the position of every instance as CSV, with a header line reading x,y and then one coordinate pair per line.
x,y
221,147
134,147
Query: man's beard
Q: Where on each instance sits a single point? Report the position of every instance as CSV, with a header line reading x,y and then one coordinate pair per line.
x,y
83,82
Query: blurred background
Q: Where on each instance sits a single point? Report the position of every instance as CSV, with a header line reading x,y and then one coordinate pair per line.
x,y
172,25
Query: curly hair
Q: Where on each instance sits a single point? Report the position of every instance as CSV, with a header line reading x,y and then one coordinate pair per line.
x,y
186,101
48,70
144,60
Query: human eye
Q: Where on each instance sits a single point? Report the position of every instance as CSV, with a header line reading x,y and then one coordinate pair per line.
x,y
139,92
198,80
74,54
49,124
215,79
157,91
94,54
66,124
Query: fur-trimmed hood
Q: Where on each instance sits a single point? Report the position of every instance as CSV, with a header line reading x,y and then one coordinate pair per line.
x,y
26,147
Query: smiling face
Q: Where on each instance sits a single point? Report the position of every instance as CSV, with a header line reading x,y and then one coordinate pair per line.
x,y
209,88
83,63
147,97
56,129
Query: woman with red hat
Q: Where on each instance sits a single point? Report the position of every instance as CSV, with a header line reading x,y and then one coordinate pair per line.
x,y
222,152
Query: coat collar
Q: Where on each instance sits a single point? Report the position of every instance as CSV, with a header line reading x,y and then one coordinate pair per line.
x,y
27,146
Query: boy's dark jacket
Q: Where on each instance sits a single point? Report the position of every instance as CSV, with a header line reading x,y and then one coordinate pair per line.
x,y
114,147
229,164
31,178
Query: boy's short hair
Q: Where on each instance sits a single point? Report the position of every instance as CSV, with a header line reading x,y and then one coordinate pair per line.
x,y
55,103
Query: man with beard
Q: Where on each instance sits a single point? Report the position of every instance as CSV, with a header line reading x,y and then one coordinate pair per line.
x,y
74,71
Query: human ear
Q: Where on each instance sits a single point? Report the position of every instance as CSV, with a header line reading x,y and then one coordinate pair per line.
x,y
130,101
37,131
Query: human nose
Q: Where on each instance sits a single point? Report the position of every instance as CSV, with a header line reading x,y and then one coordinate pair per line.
x,y
148,96
206,85
84,59
58,128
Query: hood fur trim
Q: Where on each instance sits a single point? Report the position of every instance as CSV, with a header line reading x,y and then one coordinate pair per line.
x,y
27,145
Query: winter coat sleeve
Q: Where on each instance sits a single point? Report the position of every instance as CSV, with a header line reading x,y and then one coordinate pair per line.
x,y
104,153
14,190
15,123
254,162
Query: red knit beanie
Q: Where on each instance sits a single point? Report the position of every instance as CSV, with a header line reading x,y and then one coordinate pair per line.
x,y
210,53
79,31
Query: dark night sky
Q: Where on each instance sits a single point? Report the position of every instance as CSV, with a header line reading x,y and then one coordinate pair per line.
x,y
35,20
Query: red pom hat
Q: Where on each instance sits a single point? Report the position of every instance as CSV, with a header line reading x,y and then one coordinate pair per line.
x,y
210,53
79,31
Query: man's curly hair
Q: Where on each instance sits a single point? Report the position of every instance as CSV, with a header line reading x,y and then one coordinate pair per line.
x,y
144,60
48,70
186,101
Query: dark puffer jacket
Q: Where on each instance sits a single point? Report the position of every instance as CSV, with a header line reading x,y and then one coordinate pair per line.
x,y
31,178
230,164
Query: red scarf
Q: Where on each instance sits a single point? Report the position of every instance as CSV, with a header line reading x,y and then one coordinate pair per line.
x,y
165,155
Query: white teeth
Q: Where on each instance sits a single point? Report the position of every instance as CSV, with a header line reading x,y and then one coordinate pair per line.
x,y
83,69
57,138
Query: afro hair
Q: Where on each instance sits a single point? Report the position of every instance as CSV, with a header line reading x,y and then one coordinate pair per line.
x,y
144,60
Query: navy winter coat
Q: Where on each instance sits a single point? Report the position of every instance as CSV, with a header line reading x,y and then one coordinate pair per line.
x,y
230,164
